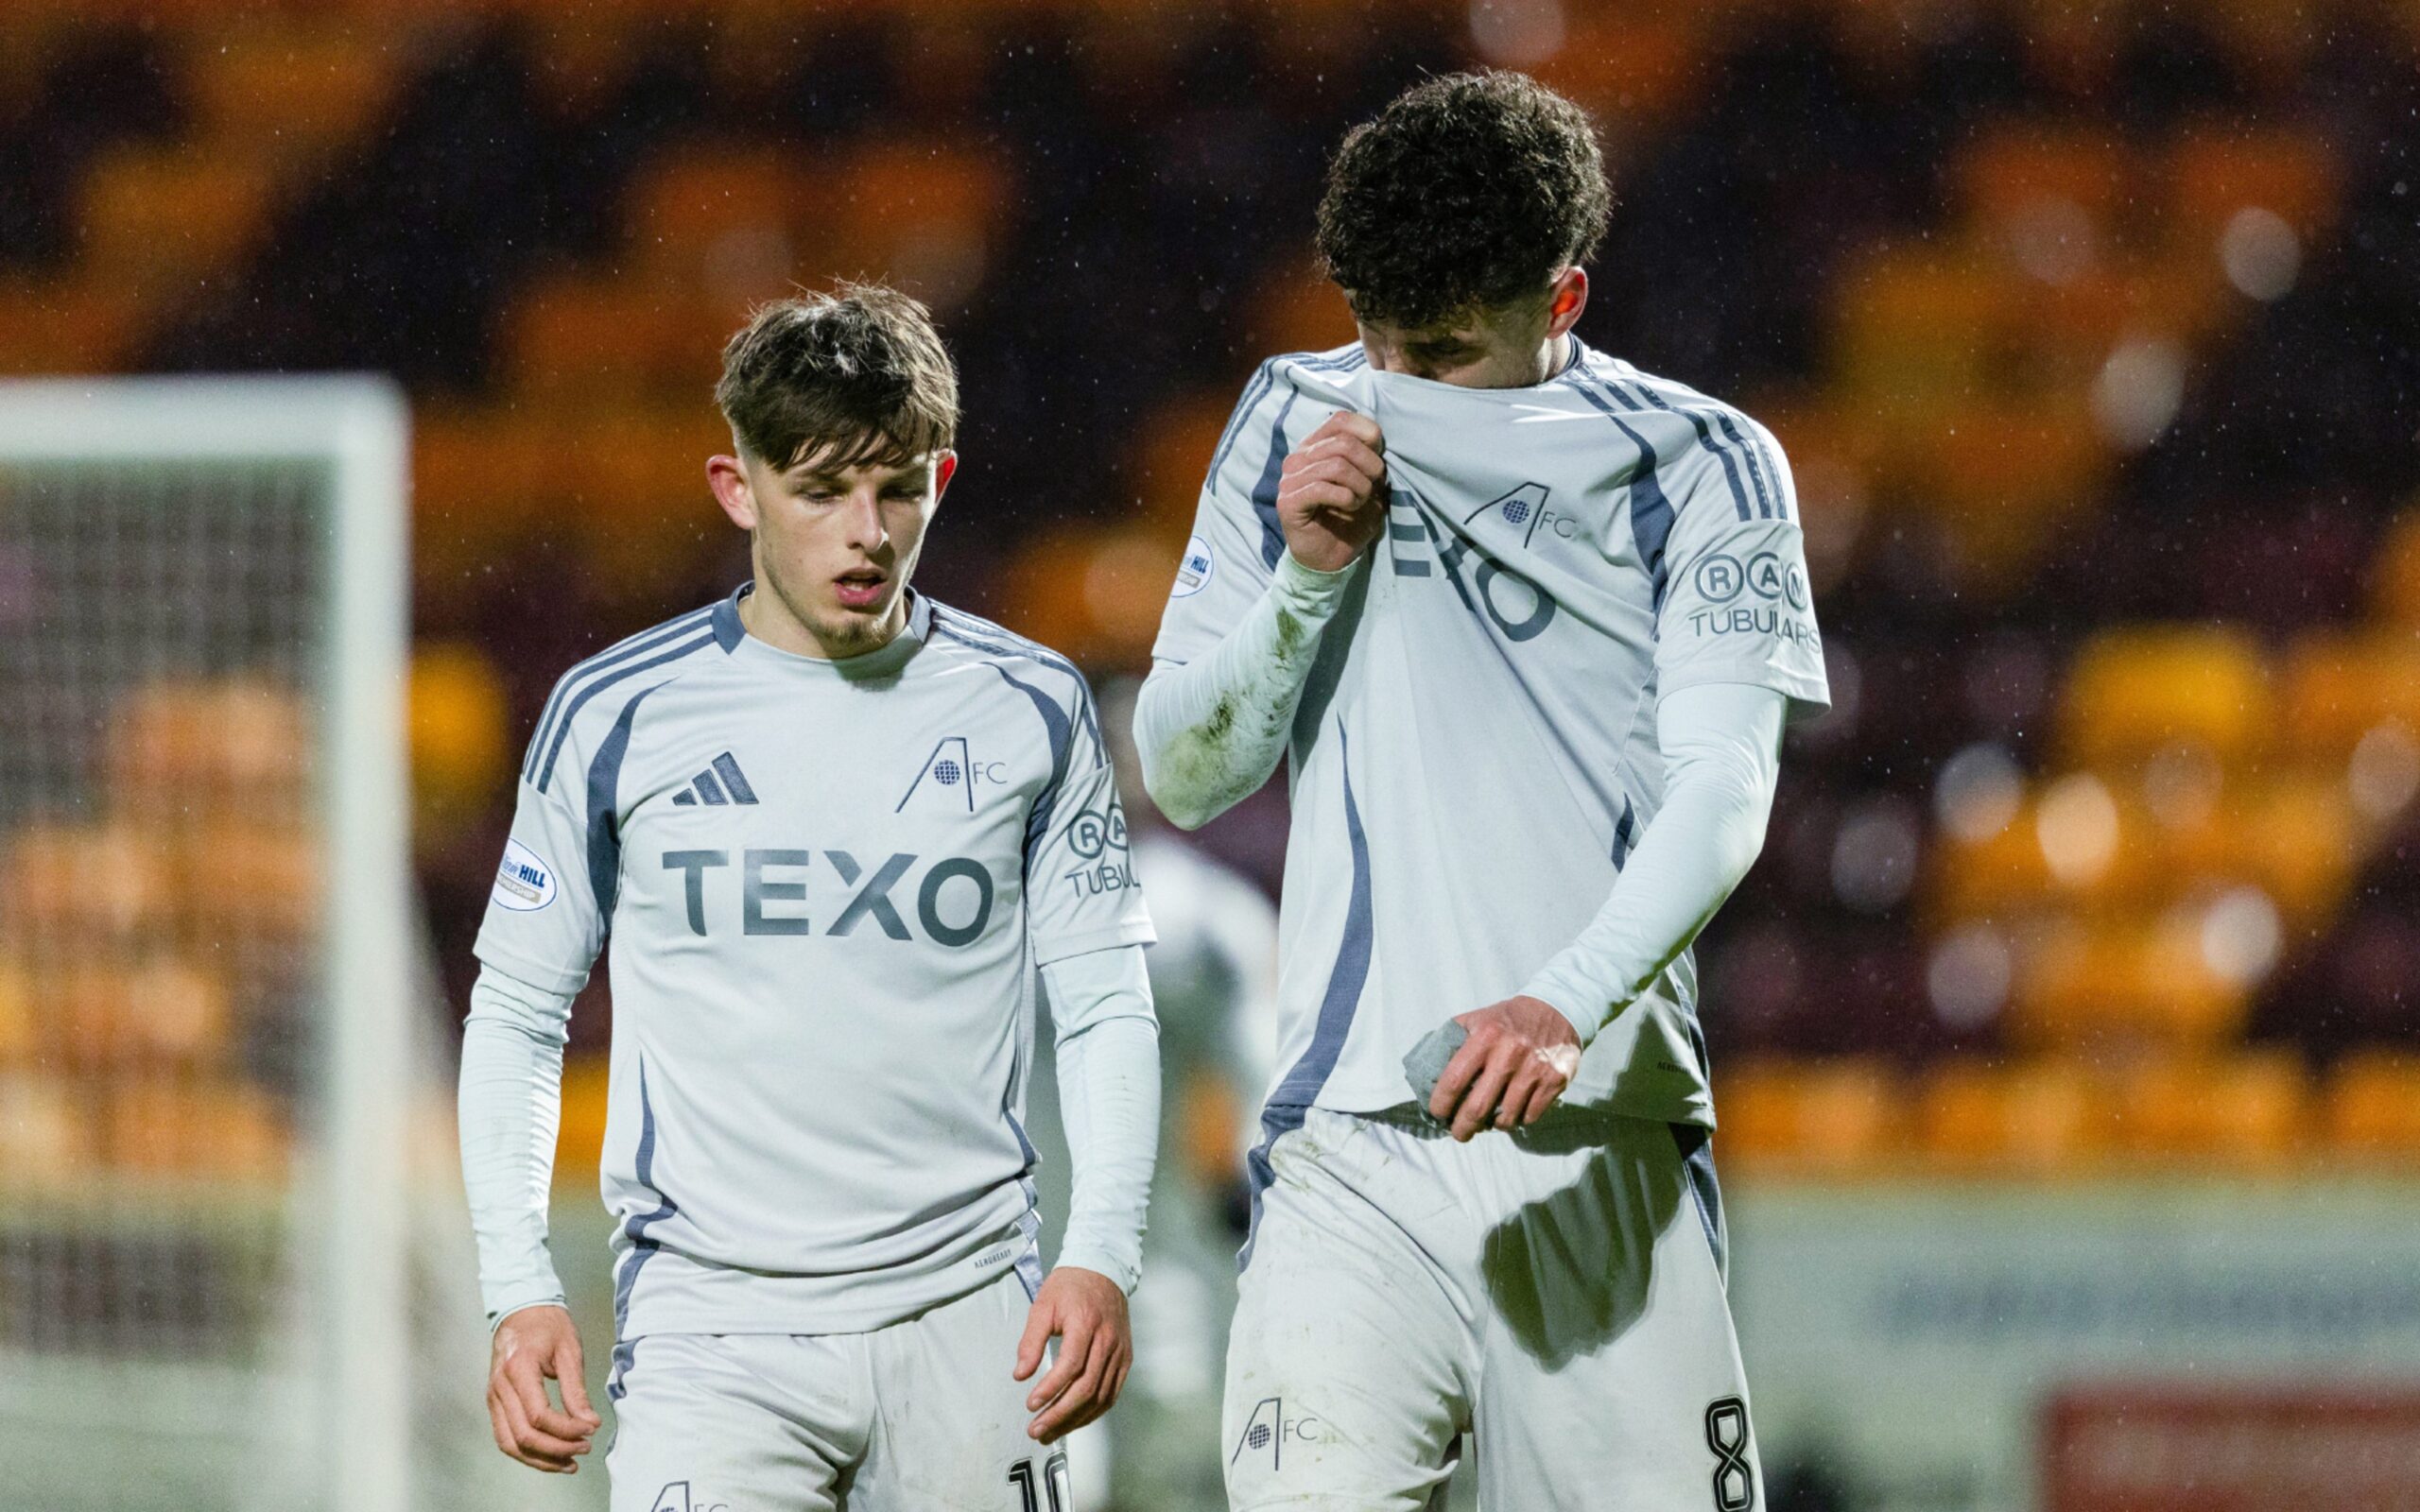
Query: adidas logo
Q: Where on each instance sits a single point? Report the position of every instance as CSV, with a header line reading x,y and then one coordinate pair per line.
x,y
720,782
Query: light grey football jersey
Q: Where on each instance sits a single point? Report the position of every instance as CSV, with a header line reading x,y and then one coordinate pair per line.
x,y
1476,752
826,886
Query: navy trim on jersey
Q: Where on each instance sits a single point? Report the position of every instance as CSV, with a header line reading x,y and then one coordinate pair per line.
x,y
1055,723
642,1248
604,810
985,636
1290,1103
1254,392
1697,423
571,711
1028,1265
1624,831
1264,493
1697,1166
619,652
1350,360
1650,509
1767,506
1028,1262
729,631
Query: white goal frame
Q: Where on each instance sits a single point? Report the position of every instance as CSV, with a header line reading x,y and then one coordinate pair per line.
x,y
358,1274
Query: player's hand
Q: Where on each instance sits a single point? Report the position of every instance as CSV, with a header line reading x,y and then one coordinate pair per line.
x,y
1332,492
1520,1057
532,1347
1087,1313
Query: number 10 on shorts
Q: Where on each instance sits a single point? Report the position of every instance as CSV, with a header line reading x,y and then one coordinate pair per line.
x,y
1054,1484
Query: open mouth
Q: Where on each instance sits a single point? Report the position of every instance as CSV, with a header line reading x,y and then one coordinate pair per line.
x,y
861,588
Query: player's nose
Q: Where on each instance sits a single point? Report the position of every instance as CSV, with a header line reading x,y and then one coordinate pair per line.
x,y
863,524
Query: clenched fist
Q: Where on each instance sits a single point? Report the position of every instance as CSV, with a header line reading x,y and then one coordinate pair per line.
x,y
1332,492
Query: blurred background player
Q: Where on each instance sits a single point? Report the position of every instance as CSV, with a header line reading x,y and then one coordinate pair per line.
x,y
829,828
1214,983
1530,623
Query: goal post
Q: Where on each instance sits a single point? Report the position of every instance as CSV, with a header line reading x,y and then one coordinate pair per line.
x,y
208,1053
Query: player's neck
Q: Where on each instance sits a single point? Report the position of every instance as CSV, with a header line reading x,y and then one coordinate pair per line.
x,y
765,616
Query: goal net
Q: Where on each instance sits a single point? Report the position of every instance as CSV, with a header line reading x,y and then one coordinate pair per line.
x,y
233,1269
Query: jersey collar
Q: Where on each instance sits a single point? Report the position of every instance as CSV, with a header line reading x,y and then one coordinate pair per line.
x,y
736,642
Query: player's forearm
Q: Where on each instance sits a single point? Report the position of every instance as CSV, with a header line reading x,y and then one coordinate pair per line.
x,y
1109,1098
1721,746
510,1107
1211,731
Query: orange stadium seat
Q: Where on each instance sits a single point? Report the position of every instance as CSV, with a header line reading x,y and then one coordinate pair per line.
x,y
1170,454
2003,477
76,325
19,1031
247,880
737,220
2020,168
46,1131
2295,836
1094,593
161,1011
1210,1122
919,213
478,481
2135,689
1832,1115
2211,175
170,216
2396,587
2034,1116
2374,1105
2338,687
580,1138
208,1131
2247,1107
1920,332
183,752
583,339
1627,67
71,888
2122,983
289,95
1298,310
643,472
2006,872
459,722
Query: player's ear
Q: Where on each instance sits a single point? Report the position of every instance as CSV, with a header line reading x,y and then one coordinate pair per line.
x,y
1566,299
728,477
944,469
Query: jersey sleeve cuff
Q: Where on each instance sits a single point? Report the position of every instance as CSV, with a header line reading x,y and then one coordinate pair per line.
x,y
1549,987
1061,946
522,1301
1808,694
1306,591
1123,1270
529,971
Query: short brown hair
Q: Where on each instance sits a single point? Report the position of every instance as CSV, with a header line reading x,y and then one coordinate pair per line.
x,y
859,374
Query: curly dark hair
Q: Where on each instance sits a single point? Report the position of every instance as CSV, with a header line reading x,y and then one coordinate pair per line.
x,y
1468,190
859,374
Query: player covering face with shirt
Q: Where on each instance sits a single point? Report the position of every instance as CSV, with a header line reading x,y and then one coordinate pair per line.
x,y
1526,623
826,829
